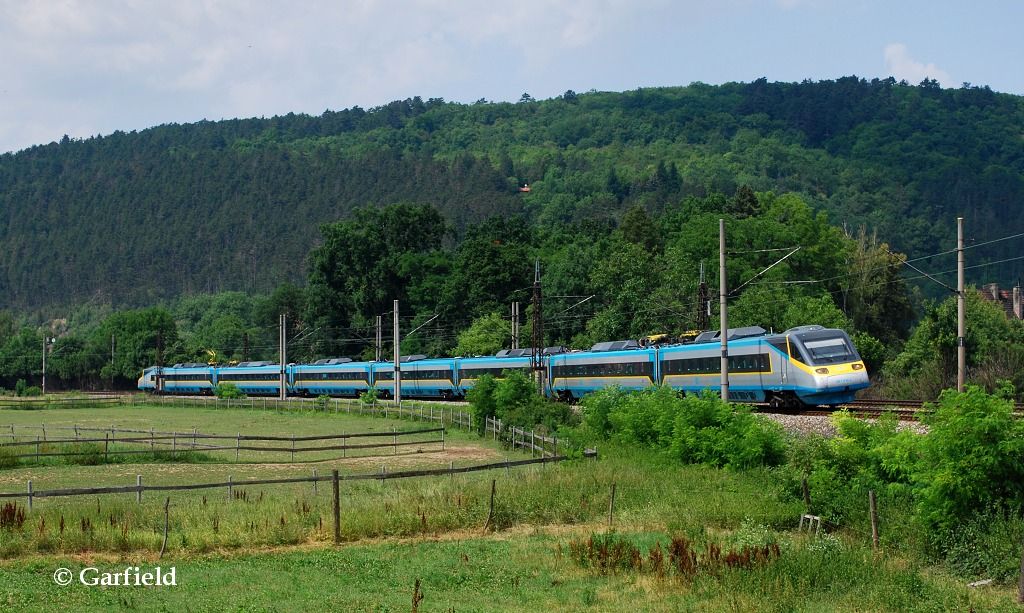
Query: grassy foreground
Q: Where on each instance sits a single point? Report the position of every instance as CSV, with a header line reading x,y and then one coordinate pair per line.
x,y
521,570
270,549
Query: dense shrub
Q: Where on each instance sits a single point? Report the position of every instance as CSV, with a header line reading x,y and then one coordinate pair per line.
x,y
972,458
514,400
227,391
32,390
694,429
482,402
986,545
369,396
961,481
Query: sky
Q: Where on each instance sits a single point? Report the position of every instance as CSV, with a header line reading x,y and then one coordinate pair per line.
x,y
83,68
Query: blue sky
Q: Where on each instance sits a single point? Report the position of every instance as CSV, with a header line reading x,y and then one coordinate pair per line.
x,y
91,67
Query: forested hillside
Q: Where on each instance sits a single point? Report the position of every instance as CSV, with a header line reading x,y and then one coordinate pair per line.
x,y
128,219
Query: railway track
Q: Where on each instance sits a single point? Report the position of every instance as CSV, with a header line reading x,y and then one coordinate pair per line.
x,y
905,410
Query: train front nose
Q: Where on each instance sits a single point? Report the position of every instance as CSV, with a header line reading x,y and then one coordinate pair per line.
x,y
847,381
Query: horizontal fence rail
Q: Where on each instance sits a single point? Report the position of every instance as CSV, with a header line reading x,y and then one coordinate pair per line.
x,y
428,411
176,442
381,476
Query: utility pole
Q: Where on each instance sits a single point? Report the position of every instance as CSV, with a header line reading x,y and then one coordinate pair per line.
x,y
515,325
722,308
379,340
45,338
537,353
703,302
159,361
398,360
283,356
961,308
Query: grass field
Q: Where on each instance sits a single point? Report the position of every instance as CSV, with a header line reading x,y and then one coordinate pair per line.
x,y
270,548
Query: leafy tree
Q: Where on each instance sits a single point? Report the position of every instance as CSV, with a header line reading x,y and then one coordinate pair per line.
x,y
486,336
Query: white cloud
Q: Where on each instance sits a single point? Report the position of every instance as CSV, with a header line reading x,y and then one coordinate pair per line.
x,y
900,65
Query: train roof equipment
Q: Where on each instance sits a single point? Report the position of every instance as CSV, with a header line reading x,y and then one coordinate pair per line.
x,y
616,346
256,363
513,353
331,361
733,334
556,350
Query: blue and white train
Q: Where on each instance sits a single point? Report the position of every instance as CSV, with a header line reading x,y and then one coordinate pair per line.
x,y
804,366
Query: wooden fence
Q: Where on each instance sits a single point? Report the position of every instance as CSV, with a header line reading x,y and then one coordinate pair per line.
x,y
175,442
139,488
443,414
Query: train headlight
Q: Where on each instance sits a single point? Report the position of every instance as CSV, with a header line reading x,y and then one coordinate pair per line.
x,y
821,371
858,367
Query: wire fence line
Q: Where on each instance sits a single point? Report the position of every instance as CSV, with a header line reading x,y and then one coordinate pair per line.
x,y
139,488
172,444
427,411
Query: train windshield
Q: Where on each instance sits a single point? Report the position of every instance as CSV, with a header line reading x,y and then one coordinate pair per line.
x,y
828,348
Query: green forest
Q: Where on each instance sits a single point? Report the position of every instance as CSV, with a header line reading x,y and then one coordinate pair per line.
x,y
129,219
185,242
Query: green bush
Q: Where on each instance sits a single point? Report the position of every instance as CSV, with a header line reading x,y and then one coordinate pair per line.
x,y
19,387
369,396
515,401
694,429
482,402
32,390
987,545
227,390
971,459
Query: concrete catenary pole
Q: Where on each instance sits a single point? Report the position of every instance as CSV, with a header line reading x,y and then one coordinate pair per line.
x,y
398,360
961,308
379,339
722,308
44,363
283,356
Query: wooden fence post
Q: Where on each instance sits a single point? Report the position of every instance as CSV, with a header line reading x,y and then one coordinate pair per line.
x,y
873,507
167,519
238,444
138,489
44,432
106,448
442,436
490,511
231,489
174,444
611,506
194,432
152,439
30,495
394,431
314,483
293,448
337,507
37,448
